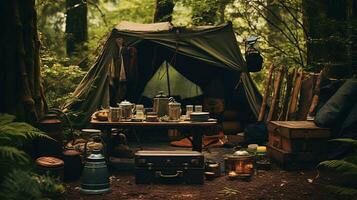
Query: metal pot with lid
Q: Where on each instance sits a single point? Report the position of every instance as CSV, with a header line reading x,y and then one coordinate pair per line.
x,y
160,105
127,110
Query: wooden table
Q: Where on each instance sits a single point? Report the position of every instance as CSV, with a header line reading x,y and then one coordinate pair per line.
x,y
195,129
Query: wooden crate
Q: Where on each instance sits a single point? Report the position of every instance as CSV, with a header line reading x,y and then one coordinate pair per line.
x,y
298,136
296,161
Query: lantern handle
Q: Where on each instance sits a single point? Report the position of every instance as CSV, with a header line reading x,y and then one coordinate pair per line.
x,y
95,138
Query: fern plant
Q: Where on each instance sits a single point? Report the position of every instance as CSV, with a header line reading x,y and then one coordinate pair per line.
x,y
13,137
346,167
16,179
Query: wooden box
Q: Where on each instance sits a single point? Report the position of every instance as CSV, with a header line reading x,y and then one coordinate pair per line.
x,y
295,161
297,136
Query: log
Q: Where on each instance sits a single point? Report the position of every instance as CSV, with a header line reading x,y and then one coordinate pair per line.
x,y
266,94
276,94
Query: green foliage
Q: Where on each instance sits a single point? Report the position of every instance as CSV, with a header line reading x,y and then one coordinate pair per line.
x,y
16,133
20,185
50,186
346,167
24,185
16,180
59,82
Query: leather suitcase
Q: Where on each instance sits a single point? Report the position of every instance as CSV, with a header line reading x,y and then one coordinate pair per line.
x,y
298,136
169,167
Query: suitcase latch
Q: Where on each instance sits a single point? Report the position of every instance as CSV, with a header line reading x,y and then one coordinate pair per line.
x,y
150,166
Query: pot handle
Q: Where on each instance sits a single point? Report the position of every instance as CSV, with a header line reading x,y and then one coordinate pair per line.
x,y
161,175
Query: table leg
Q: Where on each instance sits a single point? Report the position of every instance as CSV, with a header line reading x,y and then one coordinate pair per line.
x,y
106,142
197,140
137,139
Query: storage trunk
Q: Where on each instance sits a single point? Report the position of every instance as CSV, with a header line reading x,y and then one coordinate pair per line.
x,y
298,136
297,144
169,167
296,161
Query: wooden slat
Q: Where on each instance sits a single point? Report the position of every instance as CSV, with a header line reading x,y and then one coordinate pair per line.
x,y
294,96
306,95
315,98
289,86
276,94
266,94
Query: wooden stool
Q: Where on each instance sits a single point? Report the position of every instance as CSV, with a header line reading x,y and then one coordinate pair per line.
x,y
73,165
50,166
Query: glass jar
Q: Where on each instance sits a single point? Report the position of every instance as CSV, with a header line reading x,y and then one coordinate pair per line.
x,y
261,158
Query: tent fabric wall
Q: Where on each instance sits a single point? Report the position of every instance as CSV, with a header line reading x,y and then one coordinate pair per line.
x,y
198,54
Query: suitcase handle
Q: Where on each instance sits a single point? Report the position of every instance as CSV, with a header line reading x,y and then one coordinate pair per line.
x,y
160,174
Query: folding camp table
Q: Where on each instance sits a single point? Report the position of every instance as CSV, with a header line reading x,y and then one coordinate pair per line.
x,y
194,129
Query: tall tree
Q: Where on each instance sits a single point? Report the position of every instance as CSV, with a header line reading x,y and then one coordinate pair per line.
x,y
20,79
207,12
76,25
163,10
329,35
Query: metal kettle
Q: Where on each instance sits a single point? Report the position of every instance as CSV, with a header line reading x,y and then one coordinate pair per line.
x,y
127,110
160,105
95,175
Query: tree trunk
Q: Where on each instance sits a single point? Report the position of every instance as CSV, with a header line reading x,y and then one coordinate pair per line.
x,y
20,81
76,25
328,44
353,33
163,10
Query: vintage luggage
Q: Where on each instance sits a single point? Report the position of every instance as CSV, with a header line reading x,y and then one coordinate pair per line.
x,y
297,144
169,167
297,136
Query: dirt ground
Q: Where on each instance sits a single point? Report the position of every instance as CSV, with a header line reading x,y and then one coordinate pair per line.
x,y
273,184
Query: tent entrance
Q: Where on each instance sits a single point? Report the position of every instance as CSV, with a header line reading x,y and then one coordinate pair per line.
x,y
171,82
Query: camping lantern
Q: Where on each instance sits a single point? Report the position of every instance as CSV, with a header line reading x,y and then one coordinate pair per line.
x,y
95,175
239,165
252,55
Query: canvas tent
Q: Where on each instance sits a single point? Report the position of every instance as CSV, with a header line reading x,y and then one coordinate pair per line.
x,y
133,52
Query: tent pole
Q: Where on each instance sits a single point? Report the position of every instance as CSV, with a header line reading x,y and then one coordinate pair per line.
x,y
168,78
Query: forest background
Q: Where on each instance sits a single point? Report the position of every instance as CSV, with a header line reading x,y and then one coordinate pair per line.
x,y
304,34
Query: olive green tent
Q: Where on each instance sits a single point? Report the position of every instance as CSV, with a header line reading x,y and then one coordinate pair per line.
x,y
133,53
171,82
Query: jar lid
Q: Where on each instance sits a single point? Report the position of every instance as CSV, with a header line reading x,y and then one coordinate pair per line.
x,y
161,95
261,149
91,131
50,162
125,103
241,153
71,153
